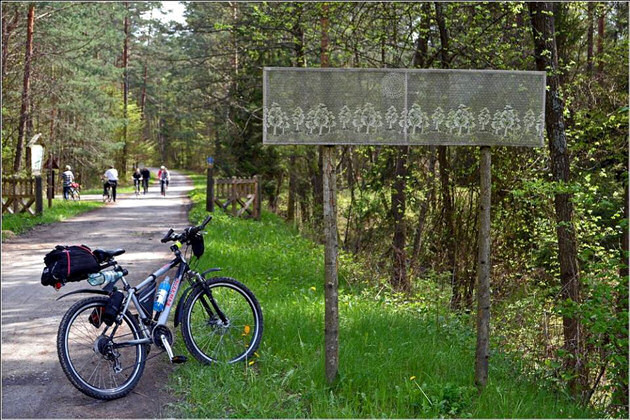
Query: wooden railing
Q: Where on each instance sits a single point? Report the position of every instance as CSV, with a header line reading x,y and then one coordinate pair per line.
x,y
20,194
239,196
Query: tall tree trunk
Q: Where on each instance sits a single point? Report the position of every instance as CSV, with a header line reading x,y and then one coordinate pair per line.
x,y
300,61
620,394
143,96
123,160
19,148
448,212
601,25
589,39
547,60
439,17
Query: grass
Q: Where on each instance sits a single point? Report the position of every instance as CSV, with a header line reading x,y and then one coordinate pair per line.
x,y
60,210
399,357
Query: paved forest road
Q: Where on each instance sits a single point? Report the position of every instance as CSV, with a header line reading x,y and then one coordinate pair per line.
x,y
33,384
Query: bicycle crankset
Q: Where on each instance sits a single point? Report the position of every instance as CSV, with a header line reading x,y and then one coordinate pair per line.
x,y
163,338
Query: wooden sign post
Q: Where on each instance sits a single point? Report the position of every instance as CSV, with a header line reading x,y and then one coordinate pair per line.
x,y
403,107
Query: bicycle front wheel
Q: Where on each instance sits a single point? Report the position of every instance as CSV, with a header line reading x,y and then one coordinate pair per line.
x,y
91,355
225,325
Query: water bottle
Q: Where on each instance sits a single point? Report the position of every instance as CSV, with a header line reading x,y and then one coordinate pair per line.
x,y
160,298
96,279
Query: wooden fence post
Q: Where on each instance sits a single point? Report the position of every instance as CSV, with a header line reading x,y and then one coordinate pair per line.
x,y
483,270
39,195
50,188
210,190
233,196
257,204
331,319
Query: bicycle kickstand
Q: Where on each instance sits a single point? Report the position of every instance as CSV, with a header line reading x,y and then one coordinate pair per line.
x,y
169,351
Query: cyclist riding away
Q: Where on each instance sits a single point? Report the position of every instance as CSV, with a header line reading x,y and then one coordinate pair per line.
x,y
111,181
164,176
146,176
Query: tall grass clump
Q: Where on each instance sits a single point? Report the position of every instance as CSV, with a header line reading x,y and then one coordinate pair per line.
x,y
399,356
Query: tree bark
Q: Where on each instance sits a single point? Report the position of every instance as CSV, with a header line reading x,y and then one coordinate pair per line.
x,y
483,270
547,60
620,394
123,160
439,17
589,39
331,321
399,279
24,109
143,96
601,27
447,200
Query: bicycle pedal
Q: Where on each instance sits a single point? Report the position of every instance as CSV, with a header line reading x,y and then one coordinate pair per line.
x,y
179,359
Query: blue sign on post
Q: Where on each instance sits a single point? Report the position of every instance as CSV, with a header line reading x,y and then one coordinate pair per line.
x,y
210,160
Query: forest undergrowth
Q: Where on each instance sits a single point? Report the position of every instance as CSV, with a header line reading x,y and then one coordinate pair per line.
x,y
400,355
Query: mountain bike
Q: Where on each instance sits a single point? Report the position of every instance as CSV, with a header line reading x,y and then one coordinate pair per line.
x,y
163,186
221,321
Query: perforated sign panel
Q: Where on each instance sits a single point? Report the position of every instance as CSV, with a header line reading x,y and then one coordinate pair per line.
x,y
403,107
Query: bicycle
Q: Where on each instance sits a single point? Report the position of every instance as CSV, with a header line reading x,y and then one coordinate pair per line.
x,y
75,191
221,321
107,197
163,186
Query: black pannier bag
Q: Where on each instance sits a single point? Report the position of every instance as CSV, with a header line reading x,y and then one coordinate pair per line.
x,y
112,308
68,263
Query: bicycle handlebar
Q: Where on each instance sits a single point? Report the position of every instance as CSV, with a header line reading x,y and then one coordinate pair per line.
x,y
186,234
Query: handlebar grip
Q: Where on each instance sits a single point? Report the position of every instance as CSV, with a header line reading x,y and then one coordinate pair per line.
x,y
167,237
205,222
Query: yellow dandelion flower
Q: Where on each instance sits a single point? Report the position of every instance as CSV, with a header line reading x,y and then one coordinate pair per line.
x,y
251,362
256,354
313,288
247,329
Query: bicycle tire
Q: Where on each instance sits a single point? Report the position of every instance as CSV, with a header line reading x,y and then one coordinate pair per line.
x,y
207,338
70,348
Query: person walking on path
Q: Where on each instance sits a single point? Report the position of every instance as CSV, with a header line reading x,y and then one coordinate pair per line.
x,y
68,178
111,180
146,176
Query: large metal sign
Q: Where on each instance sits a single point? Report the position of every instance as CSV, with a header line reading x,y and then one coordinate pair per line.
x,y
403,107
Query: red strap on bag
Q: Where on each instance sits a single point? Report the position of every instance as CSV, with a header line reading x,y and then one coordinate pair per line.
x,y
68,258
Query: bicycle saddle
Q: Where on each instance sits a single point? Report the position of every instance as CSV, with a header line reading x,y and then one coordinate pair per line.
x,y
103,255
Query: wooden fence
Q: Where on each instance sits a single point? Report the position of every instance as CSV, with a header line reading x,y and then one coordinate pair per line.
x,y
238,196
20,194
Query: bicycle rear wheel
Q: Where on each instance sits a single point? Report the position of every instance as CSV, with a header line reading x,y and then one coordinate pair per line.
x,y
89,353
224,327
